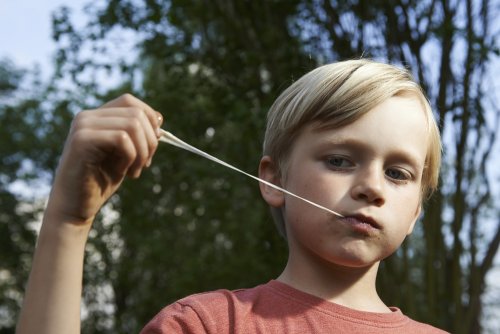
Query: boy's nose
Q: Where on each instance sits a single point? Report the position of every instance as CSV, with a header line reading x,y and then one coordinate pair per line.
x,y
369,187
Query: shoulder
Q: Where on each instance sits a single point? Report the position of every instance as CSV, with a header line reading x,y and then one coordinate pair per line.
x,y
418,327
413,326
217,303
207,312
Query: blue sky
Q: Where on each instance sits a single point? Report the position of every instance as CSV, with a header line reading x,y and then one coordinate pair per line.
x,y
25,30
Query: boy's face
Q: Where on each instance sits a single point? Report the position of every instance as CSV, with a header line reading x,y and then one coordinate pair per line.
x,y
369,171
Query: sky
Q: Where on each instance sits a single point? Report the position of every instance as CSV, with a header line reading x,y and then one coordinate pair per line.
x,y
25,39
25,31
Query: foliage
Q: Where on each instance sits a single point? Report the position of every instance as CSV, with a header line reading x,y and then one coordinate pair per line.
x,y
15,241
213,68
31,139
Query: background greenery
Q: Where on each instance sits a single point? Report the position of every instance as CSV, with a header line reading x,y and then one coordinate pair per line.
x,y
213,68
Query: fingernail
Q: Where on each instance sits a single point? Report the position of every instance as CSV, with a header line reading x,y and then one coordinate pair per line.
x,y
158,132
160,118
137,173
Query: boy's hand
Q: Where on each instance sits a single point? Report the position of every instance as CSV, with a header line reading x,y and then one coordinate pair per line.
x,y
103,146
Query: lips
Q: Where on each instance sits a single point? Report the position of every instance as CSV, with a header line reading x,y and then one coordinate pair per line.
x,y
361,219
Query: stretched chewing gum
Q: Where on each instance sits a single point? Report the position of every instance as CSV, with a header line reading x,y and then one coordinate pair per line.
x,y
169,138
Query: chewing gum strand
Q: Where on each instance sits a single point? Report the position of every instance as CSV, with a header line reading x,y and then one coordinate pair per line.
x,y
169,138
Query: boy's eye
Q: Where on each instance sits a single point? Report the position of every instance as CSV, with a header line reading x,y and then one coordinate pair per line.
x,y
339,162
397,174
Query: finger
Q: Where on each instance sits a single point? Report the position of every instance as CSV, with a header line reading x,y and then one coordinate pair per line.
x,y
139,129
97,146
113,118
133,111
159,118
128,100
125,100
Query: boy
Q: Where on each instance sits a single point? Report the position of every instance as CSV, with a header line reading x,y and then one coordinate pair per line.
x,y
357,137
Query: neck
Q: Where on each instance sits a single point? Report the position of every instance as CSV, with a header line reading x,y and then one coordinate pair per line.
x,y
353,287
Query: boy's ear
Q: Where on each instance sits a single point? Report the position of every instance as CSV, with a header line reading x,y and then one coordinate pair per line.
x,y
417,215
268,171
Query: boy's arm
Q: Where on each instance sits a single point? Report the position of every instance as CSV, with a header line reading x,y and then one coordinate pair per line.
x,y
103,146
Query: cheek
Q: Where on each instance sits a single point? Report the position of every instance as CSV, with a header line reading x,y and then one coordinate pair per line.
x,y
308,230
407,216
407,201
308,180
403,212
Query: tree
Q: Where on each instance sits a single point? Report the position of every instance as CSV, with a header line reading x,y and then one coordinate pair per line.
x,y
16,242
33,123
213,68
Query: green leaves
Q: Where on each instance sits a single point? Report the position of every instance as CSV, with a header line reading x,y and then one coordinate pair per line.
x,y
213,68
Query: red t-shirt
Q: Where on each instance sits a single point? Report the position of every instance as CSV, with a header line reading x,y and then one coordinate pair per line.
x,y
275,308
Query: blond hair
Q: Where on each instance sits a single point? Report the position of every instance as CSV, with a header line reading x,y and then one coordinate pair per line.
x,y
336,95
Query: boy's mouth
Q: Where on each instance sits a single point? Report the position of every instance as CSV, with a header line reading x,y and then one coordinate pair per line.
x,y
361,219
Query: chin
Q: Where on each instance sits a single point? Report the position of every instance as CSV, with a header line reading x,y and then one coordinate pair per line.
x,y
352,261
